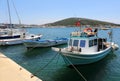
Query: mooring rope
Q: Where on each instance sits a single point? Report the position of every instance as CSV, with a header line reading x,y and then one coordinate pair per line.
x,y
76,69
52,60
43,66
58,58
31,48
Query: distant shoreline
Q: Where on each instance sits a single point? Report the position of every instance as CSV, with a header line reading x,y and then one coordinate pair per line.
x,y
64,26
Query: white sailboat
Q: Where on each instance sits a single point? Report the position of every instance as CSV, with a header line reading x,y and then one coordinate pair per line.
x,y
9,35
85,47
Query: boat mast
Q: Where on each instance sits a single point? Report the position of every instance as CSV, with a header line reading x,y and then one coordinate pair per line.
x,y
9,14
111,36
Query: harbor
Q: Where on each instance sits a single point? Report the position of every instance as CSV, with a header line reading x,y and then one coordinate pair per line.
x,y
59,41
50,66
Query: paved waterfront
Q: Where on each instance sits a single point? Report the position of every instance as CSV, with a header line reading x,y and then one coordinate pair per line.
x,y
10,71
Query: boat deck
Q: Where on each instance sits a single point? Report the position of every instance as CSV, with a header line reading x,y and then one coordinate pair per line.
x,y
10,71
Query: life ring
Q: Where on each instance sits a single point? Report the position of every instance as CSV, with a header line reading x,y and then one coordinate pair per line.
x,y
88,30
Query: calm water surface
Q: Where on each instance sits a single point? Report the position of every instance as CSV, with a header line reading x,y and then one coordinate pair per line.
x,y
49,66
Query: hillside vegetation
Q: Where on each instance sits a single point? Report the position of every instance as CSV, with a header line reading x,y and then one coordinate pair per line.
x,y
83,21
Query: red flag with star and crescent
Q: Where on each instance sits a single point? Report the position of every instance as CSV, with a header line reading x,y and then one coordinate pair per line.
x,y
78,23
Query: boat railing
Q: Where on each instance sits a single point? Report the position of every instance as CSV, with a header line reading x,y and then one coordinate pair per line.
x,y
76,33
73,49
83,34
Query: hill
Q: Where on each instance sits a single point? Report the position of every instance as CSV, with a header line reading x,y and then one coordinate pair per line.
x,y
84,21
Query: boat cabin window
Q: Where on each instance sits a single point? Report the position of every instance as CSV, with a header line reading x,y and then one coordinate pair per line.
x,y
82,43
70,42
90,43
75,43
93,42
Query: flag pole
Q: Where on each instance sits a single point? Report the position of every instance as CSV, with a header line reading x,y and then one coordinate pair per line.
x,y
78,24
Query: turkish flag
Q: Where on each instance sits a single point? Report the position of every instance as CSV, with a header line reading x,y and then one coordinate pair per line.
x,y
77,23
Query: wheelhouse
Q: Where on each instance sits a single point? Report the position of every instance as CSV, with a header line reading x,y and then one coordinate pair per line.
x,y
85,44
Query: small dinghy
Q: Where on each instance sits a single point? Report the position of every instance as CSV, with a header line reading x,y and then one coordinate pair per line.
x,y
45,43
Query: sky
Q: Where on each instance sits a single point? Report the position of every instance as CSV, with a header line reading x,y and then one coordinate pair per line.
x,y
47,11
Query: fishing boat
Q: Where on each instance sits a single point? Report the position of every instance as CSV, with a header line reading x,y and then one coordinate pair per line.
x,y
45,42
11,35
85,47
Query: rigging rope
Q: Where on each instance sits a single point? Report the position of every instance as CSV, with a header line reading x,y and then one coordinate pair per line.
x,y
9,12
16,12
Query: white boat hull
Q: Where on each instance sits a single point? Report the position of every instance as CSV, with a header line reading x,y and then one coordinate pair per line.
x,y
79,59
17,40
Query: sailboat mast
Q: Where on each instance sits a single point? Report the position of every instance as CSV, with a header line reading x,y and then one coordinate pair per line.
x,y
9,14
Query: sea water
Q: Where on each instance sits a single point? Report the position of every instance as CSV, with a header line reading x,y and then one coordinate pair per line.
x,y
50,66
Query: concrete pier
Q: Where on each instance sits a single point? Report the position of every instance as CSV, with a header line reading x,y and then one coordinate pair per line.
x,y
11,71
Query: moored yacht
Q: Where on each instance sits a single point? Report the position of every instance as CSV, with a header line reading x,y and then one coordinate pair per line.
x,y
14,36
